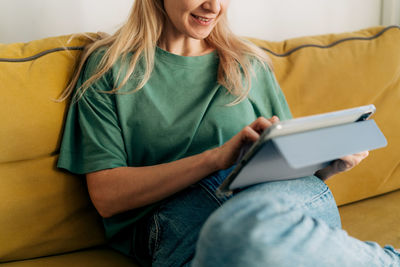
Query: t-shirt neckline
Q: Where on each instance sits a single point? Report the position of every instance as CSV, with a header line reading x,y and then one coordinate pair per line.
x,y
209,59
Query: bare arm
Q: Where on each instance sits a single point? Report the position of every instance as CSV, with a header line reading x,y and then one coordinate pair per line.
x,y
120,189
116,190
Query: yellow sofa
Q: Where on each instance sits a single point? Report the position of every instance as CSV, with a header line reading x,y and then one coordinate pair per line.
x,y
46,216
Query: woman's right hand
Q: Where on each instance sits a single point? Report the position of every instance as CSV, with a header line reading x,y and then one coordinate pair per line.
x,y
227,154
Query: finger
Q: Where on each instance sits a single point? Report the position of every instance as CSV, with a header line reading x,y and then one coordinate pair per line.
x,y
355,158
363,154
260,124
360,155
349,162
274,119
249,134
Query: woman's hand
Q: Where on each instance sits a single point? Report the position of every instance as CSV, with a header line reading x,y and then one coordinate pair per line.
x,y
341,165
227,154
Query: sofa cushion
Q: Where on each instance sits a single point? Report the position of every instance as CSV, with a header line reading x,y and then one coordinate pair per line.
x,y
97,257
336,71
44,211
374,219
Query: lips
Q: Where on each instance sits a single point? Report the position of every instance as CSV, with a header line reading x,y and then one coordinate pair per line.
x,y
202,20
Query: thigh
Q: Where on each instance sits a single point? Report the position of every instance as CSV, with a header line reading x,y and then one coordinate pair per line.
x,y
172,229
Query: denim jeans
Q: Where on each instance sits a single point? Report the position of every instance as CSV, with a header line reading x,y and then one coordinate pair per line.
x,y
284,223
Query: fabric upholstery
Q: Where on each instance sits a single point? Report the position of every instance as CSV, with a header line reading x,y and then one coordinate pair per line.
x,y
97,257
348,70
43,211
374,219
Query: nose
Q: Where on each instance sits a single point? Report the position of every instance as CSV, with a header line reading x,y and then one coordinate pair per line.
x,y
213,6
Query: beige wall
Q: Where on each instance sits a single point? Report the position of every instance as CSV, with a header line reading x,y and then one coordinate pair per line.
x,y
24,20
280,19
390,12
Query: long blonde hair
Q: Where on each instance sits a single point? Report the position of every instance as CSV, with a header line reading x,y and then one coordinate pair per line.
x,y
139,36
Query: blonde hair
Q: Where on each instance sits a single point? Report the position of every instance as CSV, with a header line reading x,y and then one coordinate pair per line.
x,y
139,36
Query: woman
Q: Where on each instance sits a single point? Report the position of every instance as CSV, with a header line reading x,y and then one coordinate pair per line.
x,y
160,112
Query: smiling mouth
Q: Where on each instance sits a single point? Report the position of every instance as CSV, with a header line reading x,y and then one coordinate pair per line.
x,y
203,19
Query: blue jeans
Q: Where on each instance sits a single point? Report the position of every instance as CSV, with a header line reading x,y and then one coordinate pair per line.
x,y
284,223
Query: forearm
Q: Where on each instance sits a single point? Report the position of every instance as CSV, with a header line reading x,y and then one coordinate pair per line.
x,y
116,190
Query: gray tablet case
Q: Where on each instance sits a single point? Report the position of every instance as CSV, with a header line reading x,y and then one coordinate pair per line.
x,y
302,154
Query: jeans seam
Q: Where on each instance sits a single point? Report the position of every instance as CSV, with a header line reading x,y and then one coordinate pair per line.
x,y
316,197
210,194
154,236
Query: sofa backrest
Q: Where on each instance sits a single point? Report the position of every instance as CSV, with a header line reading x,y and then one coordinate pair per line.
x,y
43,211
336,71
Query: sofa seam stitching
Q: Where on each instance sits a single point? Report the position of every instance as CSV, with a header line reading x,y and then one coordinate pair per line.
x,y
41,54
332,44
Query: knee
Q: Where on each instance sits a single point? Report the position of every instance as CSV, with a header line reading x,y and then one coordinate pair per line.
x,y
236,235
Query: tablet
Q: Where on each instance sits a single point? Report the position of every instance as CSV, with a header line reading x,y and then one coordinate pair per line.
x,y
308,123
294,126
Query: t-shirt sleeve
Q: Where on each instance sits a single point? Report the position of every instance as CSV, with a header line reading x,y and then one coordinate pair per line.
x,y
92,138
267,95
280,106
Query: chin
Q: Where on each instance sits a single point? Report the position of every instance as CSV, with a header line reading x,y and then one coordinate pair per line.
x,y
199,36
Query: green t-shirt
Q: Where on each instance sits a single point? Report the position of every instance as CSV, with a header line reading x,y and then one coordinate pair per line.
x,y
181,111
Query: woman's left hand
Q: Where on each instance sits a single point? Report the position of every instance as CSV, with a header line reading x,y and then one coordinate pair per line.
x,y
341,165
